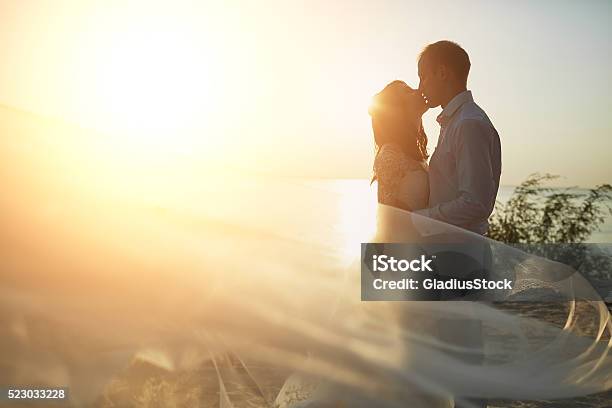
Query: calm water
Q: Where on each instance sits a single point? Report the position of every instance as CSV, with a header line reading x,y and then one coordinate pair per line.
x,y
353,192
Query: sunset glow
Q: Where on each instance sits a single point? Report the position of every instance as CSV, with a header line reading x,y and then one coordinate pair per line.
x,y
275,87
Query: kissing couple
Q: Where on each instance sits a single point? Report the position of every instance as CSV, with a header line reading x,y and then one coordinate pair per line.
x,y
460,184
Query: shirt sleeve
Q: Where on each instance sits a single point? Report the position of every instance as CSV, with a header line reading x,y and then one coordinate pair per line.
x,y
475,177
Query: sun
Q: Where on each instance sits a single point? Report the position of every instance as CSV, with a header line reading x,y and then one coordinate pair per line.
x,y
161,96
154,88
155,81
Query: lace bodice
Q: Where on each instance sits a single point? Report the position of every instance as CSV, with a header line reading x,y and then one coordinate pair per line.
x,y
402,181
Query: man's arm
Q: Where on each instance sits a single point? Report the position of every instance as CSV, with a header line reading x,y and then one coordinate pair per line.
x,y
476,178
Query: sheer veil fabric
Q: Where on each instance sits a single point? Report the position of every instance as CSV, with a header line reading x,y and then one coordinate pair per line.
x,y
254,266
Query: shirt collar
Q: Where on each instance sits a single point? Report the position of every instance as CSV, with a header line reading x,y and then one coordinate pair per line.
x,y
452,107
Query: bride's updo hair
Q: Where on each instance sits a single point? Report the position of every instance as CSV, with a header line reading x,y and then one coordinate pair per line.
x,y
396,118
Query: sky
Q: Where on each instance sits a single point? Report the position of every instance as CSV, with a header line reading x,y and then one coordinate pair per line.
x,y
283,87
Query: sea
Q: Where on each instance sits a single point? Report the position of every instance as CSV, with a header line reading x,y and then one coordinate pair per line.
x,y
353,191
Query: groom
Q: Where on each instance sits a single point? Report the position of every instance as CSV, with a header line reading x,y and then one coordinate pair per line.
x,y
465,167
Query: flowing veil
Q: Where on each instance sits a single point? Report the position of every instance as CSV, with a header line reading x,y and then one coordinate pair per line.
x,y
90,280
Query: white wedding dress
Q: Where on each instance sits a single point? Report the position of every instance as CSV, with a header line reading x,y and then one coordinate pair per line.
x,y
251,265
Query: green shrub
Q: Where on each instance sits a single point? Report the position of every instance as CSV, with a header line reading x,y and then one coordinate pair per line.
x,y
537,214
554,223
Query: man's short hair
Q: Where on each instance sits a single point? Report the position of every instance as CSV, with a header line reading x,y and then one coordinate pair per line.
x,y
450,54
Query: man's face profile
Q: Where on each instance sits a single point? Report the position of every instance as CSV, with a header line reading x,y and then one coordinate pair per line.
x,y
429,83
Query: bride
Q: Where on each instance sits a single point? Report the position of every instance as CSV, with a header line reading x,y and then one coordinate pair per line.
x,y
400,165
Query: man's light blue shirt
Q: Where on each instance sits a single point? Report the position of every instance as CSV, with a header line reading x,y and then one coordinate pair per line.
x,y
465,167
